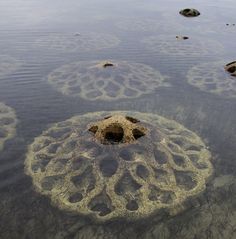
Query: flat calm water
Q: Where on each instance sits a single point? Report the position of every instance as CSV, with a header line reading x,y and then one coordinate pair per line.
x,y
39,39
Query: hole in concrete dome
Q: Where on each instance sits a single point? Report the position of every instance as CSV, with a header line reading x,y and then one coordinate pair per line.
x,y
142,172
156,194
49,182
126,155
138,133
231,69
132,120
132,205
107,117
77,197
126,185
108,64
108,167
85,180
160,156
101,204
179,160
185,180
114,133
93,129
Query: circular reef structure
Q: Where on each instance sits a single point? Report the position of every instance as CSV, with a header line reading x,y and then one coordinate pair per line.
x,y
118,165
8,65
213,78
189,12
171,46
8,123
108,80
77,42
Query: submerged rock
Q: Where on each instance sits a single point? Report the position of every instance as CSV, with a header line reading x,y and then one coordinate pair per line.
x,y
118,165
213,78
190,12
106,80
182,37
7,124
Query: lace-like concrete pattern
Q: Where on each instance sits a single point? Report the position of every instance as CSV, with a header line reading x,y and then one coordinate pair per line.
x,y
118,165
8,65
213,78
7,124
170,46
94,80
77,42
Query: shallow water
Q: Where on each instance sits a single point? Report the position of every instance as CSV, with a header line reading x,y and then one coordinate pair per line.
x,y
139,28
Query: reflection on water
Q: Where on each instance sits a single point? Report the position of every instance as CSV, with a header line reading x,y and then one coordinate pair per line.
x,y
200,96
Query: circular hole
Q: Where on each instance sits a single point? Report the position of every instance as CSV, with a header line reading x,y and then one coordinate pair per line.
x,y
77,197
101,208
231,69
185,180
132,205
132,120
107,117
142,172
179,160
93,129
114,133
160,156
126,155
108,64
108,167
137,133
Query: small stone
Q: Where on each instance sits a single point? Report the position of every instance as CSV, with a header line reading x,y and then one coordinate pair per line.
x,y
182,37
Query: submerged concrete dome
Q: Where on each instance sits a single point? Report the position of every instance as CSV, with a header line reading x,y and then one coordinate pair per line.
x,y
214,78
118,165
82,42
169,45
106,80
8,123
